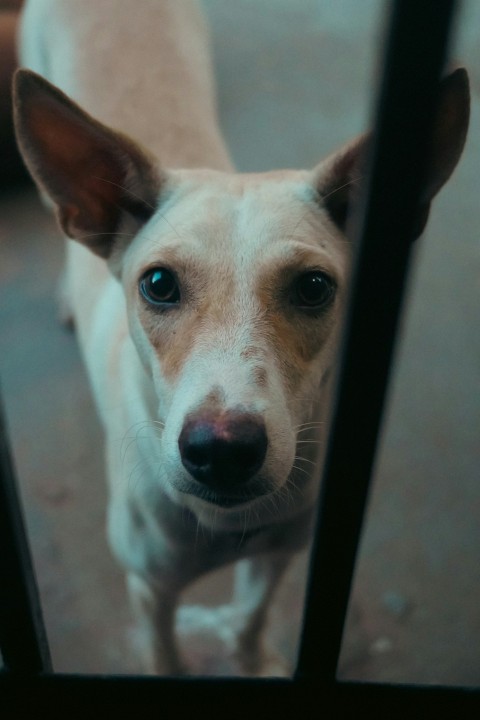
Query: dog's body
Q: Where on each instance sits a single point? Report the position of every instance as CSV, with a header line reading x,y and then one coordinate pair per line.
x,y
206,302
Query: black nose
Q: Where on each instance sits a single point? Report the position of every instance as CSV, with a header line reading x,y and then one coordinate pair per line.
x,y
224,450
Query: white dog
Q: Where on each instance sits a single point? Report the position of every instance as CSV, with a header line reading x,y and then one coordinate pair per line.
x,y
206,302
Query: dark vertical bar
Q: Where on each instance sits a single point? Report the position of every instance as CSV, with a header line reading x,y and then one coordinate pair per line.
x,y
387,214
23,640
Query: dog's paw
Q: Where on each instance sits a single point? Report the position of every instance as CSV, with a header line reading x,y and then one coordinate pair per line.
x,y
214,641
220,623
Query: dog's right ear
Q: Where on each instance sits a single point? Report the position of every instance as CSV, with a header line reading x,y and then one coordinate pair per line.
x,y
91,173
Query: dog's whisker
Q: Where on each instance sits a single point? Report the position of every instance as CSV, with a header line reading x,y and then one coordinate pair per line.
x,y
214,523
353,181
140,199
312,430
141,464
291,484
272,501
127,437
133,441
245,515
125,189
291,489
135,425
197,530
302,218
308,426
304,459
301,469
283,496
154,425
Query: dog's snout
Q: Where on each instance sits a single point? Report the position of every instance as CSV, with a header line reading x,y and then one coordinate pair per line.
x,y
224,451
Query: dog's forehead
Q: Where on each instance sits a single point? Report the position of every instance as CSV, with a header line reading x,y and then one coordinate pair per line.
x,y
241,201
239,217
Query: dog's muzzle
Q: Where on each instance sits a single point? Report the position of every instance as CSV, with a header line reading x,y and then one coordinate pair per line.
x,y
223,451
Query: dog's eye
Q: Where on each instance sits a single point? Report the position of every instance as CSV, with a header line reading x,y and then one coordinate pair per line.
x,y
159,286
314,290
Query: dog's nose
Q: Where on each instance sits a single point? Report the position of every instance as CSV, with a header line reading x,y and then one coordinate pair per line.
x,y
223,451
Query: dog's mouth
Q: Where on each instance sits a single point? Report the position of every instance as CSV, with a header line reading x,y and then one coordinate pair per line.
x,y
219,499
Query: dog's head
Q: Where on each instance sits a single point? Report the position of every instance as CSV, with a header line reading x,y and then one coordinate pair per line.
x,y
234,287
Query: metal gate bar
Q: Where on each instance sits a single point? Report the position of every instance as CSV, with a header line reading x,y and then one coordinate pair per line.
x,y
388,217
23,641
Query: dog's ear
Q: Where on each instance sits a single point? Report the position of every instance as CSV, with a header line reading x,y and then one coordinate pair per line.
x,y
91,173
450,131
338,178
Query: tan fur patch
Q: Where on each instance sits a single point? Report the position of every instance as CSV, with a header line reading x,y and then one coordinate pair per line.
x,y
295,336
260,376
251,352
171,340
174,332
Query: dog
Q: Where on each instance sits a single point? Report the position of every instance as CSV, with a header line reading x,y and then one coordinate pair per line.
x,y
206,302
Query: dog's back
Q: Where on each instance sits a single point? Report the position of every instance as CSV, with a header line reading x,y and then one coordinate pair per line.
x,y
128,63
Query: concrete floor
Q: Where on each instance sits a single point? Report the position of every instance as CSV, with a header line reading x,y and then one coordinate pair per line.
x,y
295,80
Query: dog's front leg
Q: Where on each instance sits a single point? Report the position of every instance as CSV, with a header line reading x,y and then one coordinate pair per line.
x,y
154,610
256,580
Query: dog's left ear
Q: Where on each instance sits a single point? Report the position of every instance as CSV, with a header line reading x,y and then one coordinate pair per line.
x,y
91,173
338,178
